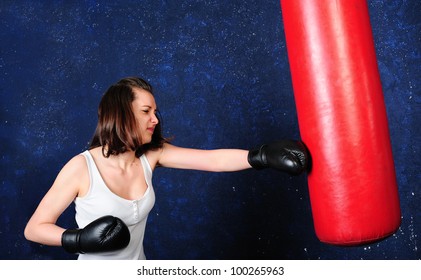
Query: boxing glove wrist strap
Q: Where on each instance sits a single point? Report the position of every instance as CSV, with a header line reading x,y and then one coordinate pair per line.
x,y
70,241
257,159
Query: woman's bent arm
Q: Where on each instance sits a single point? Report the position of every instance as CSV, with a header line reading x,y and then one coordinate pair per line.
x,y
41,227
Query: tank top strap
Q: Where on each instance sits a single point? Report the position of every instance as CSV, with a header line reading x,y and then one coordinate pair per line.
x,y
146,166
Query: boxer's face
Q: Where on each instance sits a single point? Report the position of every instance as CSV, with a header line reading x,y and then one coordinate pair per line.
x,y
144,108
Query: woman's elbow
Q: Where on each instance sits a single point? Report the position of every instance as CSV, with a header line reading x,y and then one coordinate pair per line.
x,y
30,231
27,232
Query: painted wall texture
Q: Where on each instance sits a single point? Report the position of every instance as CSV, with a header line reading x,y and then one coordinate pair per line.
x,y
222,80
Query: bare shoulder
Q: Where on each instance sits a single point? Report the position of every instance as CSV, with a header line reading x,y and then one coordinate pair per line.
x,y
74,174
71,181
76,165
153,157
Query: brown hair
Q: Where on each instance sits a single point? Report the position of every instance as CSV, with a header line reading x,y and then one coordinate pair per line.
x,y
117,131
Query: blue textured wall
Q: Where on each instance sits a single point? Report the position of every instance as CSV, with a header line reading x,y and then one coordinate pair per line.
x,y
222,79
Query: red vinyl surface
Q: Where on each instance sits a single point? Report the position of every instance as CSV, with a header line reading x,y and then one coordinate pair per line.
x,y
342,119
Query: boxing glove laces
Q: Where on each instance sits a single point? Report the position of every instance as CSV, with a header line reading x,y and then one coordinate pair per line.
x,y
105,234
289,156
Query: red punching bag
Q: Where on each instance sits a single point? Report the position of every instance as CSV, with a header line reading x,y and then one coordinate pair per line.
x,y
342,120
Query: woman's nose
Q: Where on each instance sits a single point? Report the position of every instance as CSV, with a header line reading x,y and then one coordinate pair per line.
x,y
154,119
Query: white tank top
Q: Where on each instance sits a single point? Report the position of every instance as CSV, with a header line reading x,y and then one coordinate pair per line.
x,y
101,201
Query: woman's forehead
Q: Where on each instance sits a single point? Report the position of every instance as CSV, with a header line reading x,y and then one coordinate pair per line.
x,y
143,97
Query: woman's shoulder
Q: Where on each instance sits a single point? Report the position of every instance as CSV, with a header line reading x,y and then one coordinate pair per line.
x,y
74,175
153,156
76,164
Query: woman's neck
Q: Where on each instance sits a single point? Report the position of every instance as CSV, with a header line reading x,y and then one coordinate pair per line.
x,y
123,160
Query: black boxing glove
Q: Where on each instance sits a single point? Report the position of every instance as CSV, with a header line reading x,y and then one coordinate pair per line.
x,y
288,156
105,234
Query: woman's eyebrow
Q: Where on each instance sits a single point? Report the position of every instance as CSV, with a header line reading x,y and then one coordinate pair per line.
x,y
149,107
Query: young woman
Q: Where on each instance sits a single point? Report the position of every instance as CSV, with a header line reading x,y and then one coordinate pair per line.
x,y
111,182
